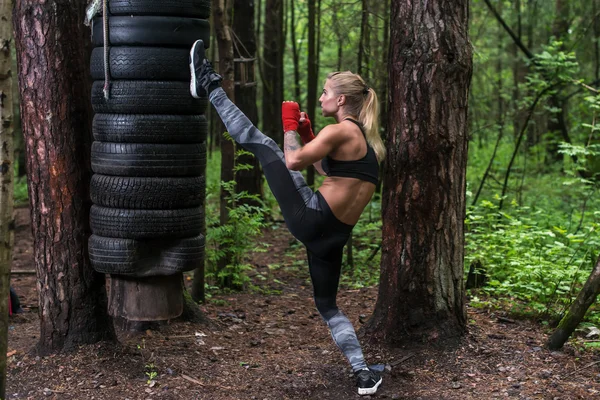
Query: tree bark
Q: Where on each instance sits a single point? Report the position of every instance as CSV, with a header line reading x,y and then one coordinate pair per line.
x,y
421,292
596,41
577,311
56,114
311,96
7,225
363,36
272,70
295,52
243,27
557,124
221,10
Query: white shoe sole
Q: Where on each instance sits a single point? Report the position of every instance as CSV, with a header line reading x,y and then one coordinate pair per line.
x,y
372,390
193,71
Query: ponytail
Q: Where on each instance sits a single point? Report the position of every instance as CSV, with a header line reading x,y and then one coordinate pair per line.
x,y
361,101
369,117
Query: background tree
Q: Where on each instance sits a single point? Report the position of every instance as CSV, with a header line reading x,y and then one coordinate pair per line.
x,y
245,47
313,71
421,291
272,70
56,114
7,171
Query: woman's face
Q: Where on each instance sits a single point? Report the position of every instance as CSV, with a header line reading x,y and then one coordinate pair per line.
x,y
329,101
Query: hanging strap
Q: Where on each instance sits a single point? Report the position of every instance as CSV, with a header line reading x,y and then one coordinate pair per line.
x,y
106,51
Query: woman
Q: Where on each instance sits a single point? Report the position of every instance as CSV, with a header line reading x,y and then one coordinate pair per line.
x,y
347,152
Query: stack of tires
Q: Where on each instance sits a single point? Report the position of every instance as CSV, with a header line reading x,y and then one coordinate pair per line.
x,y
149,153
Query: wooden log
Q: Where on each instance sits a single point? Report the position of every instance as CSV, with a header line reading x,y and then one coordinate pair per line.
x,y
584,300
156,298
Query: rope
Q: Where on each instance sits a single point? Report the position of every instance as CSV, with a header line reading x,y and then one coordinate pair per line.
x,y
236,40
106,51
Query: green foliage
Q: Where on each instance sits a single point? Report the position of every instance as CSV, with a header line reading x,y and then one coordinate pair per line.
x,y
531,263
233,240
366,243
20,190
20,194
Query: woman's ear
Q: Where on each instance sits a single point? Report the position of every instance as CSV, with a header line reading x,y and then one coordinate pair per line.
x,y
341,100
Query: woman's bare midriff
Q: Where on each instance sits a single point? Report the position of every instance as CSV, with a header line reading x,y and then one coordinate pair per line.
x,y
347,197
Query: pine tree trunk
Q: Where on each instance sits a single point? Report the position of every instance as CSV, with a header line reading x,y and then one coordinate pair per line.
x,y
52,45
557,124
295,52
272,70
245,97
7,225
421,292
221,10
311,96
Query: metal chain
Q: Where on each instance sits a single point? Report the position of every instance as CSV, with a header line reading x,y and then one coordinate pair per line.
x,y
106,51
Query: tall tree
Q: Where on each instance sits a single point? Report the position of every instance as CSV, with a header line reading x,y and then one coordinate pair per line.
x,y
363,39
311,99
6,179
56,115
421,293
295,51
272,70
557,124
221,12
245,96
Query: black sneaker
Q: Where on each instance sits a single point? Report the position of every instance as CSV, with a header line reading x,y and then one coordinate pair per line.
x,y
204,78
367,381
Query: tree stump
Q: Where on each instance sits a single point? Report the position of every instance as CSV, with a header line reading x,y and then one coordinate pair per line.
x,y
156,298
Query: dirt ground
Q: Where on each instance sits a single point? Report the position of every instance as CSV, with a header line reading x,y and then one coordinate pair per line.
x,y
264,345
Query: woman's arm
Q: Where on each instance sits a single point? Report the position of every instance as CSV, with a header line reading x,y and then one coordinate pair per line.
x,y
297,157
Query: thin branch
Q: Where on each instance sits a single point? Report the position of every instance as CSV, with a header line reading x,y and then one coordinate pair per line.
x,y
516,151
516,39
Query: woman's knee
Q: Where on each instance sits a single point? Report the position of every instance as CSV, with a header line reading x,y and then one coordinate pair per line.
x,y
326,306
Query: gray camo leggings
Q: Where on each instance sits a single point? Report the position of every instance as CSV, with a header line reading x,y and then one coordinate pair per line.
x,y
307,216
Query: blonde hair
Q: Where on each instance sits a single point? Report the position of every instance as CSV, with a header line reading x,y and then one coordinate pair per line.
x,y
361,101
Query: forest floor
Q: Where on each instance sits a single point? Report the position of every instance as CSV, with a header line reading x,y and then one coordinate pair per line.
x,y
270,343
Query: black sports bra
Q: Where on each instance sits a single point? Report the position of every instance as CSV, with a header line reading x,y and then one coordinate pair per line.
x,y
366,169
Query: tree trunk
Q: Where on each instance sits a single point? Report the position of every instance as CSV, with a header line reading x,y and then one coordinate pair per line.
x,y
577,311
383,88
363,37
311,96
221,10
56,114
295,52
272,70
596,41
243,27
155,298
7,225
557,125
421,292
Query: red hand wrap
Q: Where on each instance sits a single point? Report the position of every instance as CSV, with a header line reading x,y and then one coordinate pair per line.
x,y
305,130
290,115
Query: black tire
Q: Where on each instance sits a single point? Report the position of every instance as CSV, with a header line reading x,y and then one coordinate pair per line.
x,y
147,193
157,160
182,8
152,128
138,258
150,63
147,97
146,224
152,31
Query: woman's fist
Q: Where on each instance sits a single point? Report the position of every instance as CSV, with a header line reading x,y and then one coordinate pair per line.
x,y
305,128
290,115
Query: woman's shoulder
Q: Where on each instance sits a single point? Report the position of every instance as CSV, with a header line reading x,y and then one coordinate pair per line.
x,y
340,128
